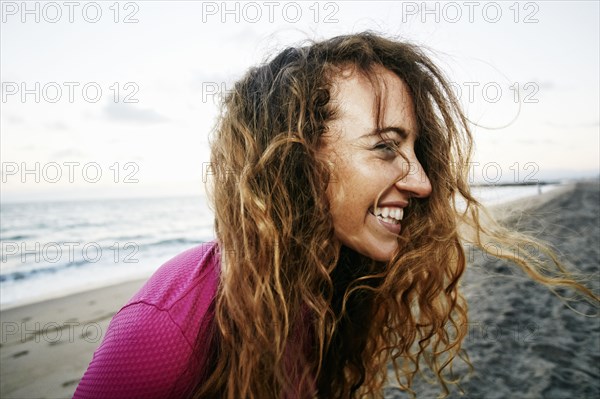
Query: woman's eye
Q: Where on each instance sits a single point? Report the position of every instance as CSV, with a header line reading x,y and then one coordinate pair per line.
x,y
389,147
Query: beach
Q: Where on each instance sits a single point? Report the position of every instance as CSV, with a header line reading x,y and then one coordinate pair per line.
x,y
47,346
523,341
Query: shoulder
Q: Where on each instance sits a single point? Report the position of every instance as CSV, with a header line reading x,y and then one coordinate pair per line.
x,y
147,348
184,286
195,268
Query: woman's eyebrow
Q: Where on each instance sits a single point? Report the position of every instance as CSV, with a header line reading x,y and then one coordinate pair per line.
x,y
394,129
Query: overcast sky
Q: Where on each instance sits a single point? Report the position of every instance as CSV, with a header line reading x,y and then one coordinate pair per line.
x,y
128,91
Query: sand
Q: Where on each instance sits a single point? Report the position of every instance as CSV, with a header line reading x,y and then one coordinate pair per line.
x,y
46,347
523,341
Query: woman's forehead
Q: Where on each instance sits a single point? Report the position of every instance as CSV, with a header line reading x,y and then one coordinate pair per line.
x,y
355,97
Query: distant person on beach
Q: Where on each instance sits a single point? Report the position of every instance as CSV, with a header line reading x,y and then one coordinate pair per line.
x,y
337,170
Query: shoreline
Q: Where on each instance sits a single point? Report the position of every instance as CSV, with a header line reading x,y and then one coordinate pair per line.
x,y
69,293
524,204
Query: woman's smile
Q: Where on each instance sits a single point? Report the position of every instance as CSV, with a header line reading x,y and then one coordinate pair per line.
x,y
388,217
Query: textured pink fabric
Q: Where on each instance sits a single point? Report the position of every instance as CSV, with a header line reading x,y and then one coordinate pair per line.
x,y
148,346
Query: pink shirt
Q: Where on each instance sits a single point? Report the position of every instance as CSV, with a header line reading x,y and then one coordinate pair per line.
x,y
147,348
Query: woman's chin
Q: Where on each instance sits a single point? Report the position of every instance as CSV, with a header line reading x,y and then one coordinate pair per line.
x,y
382,253
382,257
375,249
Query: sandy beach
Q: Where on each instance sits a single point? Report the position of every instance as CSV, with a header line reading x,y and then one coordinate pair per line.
x,y
523,341
46,347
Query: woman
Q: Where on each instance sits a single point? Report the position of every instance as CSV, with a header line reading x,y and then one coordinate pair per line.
x,y
337,170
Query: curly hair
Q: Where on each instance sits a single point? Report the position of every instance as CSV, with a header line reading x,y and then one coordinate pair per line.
x,y
295,315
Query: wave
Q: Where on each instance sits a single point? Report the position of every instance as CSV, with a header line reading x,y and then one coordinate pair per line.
x,y
15,238
21,274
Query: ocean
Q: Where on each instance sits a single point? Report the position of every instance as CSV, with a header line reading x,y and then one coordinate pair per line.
x,y
51,249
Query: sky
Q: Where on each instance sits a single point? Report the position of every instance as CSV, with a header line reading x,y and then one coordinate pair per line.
x,y
118,99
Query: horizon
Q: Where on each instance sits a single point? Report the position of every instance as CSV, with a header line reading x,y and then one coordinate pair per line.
x,y
152,195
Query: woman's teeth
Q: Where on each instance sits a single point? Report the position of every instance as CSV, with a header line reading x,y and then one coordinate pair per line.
x,y
389,215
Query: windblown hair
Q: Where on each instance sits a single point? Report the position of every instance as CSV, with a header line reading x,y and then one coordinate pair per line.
x,y
295,316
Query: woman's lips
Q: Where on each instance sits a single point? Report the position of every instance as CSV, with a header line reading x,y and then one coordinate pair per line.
x,y
393,228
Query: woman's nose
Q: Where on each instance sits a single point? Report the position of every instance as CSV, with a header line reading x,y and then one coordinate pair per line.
x,y
414,179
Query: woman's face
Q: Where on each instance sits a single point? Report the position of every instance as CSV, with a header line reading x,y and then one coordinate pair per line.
x,y
365,166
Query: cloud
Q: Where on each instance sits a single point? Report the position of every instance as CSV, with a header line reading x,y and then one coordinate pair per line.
x,y
68,153
574,125
245,35
14,119
29,147
545,85
536,142
58,125
122,112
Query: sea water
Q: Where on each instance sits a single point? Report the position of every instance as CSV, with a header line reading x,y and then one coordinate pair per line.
x,y
54,248
51,249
